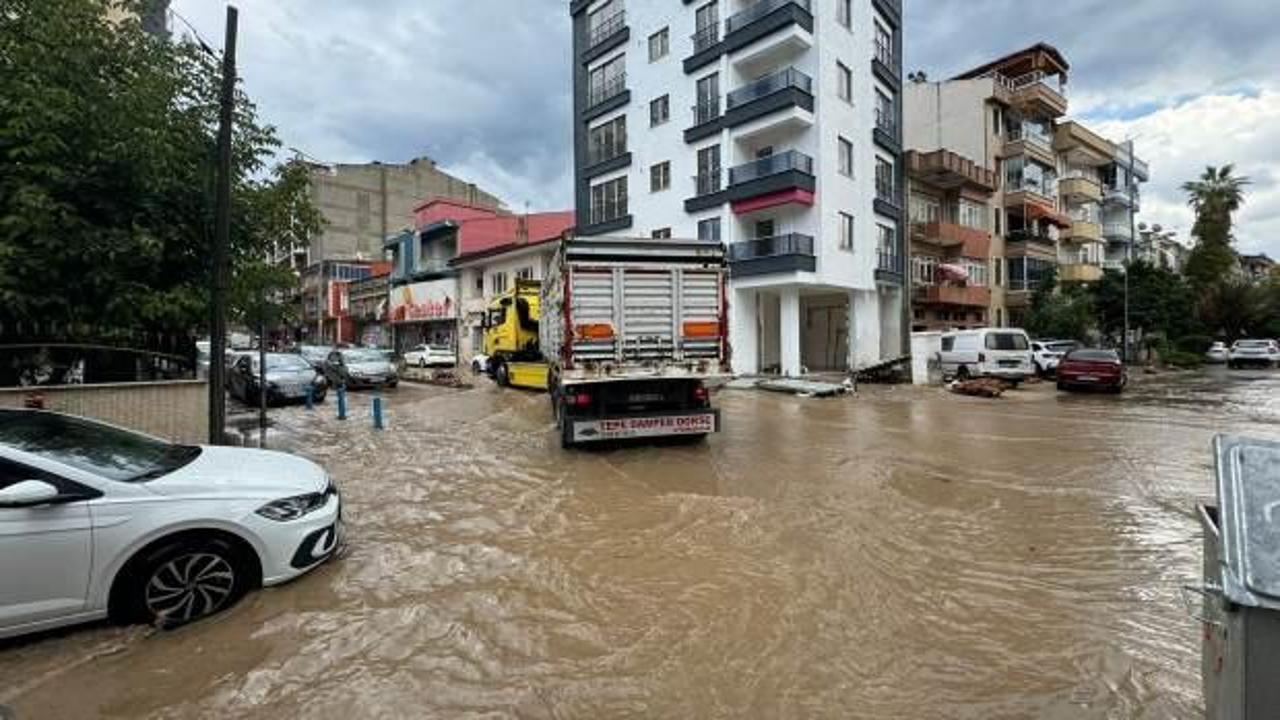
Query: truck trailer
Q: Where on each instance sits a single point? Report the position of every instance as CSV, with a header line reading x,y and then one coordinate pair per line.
x,y
632,330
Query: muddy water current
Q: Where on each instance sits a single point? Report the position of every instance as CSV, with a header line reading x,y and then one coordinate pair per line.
x,y
901,554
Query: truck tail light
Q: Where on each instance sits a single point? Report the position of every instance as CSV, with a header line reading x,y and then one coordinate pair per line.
x,y
701,394
580,399
701,329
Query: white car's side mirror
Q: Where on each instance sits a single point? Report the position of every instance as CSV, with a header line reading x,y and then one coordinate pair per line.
x,y
27,493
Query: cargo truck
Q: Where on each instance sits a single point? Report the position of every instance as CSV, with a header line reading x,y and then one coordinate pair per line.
x,y
631,332
511,338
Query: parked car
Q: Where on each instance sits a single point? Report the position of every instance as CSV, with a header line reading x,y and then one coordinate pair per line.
x,y
1217,353
431,355
359,367
1092,368
315,354
100,521
1045,354
233,356
986,352
480,364
288,377
1244,353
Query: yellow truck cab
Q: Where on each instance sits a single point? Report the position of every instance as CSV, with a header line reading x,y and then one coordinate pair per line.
x,y
511,337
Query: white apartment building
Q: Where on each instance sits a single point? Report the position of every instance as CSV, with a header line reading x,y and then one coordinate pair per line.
x,y
772,126
484,275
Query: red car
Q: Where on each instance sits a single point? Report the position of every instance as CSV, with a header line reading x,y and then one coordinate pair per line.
x,y
1091,368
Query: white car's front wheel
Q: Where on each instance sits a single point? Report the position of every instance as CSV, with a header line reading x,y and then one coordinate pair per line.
x,y
183,580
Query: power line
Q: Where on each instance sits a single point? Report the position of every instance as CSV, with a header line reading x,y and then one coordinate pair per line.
x,y
204,45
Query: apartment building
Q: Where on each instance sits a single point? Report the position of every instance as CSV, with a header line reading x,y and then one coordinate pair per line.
x,y
363,204
1054,199
1121,200
772,126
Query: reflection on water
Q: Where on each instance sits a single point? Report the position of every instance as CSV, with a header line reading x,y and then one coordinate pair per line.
x,y
905,553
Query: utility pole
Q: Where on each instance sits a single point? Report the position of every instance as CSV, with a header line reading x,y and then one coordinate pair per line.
x,y
222,240
1128,248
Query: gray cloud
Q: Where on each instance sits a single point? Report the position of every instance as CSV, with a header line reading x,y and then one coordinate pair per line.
x,y
483,86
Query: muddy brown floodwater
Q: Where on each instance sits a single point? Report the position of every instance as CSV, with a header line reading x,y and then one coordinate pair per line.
x,y
901,554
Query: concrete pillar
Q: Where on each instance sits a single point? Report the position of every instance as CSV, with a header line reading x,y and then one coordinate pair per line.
x,y
744,332
789,330
864,330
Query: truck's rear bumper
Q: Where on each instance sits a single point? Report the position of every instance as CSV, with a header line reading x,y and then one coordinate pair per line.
x,y
622,427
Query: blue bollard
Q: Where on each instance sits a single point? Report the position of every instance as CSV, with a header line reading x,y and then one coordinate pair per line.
x,y
342,402
377,412
311,396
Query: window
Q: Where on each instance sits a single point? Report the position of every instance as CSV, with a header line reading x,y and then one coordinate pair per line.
x,y
661,234
709,229
497,283
949,341
999,317
708,107
846,231
846,157
844,12
659,45
660,177
709,170
525,273
707,24
884,181
607,141
996,212
884,114
479,283
604,22
884,45
606,80
998,264
923,268
924,209
844,82
886,249
1006,341
609,200
996,122
764,228
659,111
103,450
972,215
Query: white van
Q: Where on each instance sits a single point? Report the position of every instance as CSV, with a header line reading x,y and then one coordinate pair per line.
x,y
986,352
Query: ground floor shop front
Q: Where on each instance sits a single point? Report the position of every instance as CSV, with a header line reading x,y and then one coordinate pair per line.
x,y
793,330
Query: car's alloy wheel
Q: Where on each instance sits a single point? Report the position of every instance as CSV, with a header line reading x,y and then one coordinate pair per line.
x,y
189,587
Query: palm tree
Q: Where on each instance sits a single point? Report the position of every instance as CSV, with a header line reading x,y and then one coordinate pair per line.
x,y
1214,197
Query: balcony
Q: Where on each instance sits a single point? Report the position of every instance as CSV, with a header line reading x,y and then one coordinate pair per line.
x,y
888,266
606,35
882,65
1120,232
971,296
792,252
885,131
1079,272
946,170
1079,190
1083,231
1036,94
786,176
1121,197
787,89
1019,141
756,22
609,95
1083,146
967,241
1023,243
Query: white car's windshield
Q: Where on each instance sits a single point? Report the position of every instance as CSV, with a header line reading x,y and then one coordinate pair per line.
x,y
103,450
363,356
285,362
1252,343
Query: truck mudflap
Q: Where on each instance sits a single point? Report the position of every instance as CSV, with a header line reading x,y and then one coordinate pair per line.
x,y
688,422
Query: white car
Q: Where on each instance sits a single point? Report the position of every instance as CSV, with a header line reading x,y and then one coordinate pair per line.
x,y
1046,354
1253,352
1217,353
97,521
431,356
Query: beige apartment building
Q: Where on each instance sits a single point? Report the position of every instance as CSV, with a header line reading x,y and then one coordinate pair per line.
x,y
1001,190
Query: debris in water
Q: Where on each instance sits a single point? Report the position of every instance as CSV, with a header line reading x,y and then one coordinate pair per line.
x,y
982,387
804,388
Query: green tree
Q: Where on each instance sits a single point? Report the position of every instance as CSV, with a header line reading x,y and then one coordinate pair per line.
x,y
1235,309
1061,310
107,149
1160,302
1214,197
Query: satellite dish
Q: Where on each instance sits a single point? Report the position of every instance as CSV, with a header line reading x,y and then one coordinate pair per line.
x,y
1156,228
1142,226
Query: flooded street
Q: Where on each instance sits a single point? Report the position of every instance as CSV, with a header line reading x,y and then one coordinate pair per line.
x,y
900,554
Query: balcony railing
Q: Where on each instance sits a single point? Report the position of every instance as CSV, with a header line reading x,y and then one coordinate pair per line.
x,y
886,121
771,165
778,245
884,54
757,11
607,28
707,183
885,191
768,85
1019,236
706,37
1017,134
1037,77
1118,231
612,87
707,111
596,156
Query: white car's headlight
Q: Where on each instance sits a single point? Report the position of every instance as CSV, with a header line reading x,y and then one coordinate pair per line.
x,y
292,508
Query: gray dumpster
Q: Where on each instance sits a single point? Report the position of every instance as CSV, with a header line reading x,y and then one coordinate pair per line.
x,y
1240,605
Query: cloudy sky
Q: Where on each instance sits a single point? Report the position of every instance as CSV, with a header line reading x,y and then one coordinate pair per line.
x,y
483,86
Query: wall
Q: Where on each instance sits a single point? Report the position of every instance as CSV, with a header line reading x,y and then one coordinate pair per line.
x,y
355,227
176,410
